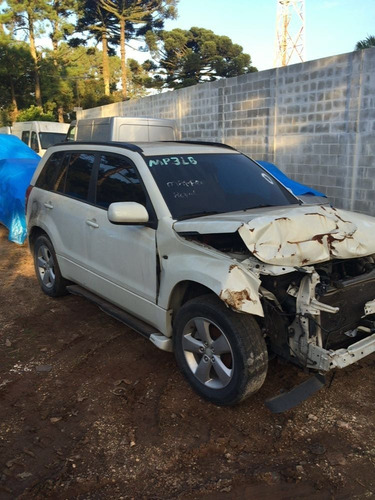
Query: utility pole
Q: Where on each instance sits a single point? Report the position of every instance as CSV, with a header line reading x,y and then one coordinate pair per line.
x,y
290,32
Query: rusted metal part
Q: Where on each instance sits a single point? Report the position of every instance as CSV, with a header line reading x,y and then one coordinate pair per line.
x,y
309,235
241,291
294,235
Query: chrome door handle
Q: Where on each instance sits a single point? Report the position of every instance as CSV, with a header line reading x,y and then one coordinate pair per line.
x,y
92,223
48,205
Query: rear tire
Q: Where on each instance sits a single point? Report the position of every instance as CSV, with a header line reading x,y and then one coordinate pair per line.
x,y
222,353
47,269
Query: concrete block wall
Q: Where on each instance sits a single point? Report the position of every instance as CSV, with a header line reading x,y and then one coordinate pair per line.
x,y
315,121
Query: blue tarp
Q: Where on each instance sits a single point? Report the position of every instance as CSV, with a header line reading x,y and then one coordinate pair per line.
x,y
17,166
12,147
297,188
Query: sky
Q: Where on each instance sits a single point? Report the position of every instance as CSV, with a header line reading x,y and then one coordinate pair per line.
x,y
332,26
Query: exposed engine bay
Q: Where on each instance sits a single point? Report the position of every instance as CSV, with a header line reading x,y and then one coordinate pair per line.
x,y
318,316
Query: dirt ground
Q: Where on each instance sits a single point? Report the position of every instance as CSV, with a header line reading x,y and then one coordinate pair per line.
x,y
91,410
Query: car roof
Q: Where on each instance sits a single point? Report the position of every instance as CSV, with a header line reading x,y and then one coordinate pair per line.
x,y
159,148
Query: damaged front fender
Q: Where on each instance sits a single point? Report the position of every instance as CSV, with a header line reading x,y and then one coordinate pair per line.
x,y
241,291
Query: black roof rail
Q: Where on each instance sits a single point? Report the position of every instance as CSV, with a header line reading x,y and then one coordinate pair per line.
x,y
133,147
124,145
205,143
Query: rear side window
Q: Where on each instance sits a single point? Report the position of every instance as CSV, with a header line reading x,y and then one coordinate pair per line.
x,y
34,142
25,136
51,172
118,181
79,173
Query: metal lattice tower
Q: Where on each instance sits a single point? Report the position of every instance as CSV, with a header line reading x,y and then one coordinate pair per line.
x,y
290,32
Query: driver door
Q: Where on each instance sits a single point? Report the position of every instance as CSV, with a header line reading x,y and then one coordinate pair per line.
x,y
121,258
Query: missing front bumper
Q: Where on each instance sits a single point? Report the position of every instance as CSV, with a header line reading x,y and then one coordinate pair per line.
x,y
322,360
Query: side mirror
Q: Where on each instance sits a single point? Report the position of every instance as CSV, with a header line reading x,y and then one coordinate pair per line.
x,y
127,212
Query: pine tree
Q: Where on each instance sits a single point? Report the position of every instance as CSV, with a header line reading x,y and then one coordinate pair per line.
x,y
135,18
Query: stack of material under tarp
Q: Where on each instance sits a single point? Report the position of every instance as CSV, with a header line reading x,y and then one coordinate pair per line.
x,y
297,188
17,166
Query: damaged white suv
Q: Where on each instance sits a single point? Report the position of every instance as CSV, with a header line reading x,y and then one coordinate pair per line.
x,y
202,251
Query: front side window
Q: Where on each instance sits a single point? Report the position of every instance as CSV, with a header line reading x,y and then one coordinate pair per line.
x,y
70,136
48,139
118,181
78,176
200,184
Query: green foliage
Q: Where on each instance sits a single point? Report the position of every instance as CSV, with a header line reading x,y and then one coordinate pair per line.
x,y
16,74
188,57
70,74
138,79
368,42
5,119
35,113
135,18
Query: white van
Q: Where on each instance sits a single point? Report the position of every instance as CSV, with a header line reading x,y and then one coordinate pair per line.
x,y
40,135
122,129
5,130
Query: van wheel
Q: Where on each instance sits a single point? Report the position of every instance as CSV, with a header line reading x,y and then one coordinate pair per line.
x,y
221,353
47,269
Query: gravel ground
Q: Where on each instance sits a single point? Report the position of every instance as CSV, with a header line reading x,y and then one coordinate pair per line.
x,y
91,410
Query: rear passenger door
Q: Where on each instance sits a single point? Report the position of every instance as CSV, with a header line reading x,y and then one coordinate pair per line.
x,y
65,187
121,258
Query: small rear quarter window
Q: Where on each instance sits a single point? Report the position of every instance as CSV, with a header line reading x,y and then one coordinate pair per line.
x,y
51,172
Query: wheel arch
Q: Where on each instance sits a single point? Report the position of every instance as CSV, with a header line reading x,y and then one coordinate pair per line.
x,y
185,291
34,233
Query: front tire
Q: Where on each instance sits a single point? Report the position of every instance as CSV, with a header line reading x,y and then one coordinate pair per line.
x,y
47,269
222,353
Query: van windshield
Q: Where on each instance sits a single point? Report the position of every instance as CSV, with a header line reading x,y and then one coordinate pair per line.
x,y
199,184
48,139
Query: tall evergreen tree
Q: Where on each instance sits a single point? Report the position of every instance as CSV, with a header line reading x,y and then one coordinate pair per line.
x,y
101,25
135,18
16,79
368,42
188,57
58,13
24,15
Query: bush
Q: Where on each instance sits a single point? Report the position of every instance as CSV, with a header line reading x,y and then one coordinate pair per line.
x,y
35,113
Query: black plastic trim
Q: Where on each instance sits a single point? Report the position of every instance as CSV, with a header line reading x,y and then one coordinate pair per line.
x,y
205,143
125,145
128,319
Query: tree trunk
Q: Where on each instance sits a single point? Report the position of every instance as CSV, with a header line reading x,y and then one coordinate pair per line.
x,y
55,44
34,55
14,112
123,57
60,113
105,63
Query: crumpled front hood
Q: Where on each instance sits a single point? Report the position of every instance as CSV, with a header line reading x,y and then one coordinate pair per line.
x,y
294,235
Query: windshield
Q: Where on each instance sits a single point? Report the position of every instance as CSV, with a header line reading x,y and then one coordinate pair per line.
x,y
48,139
199,184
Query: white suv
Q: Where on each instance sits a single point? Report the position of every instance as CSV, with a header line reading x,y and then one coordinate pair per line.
x,y
202,251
